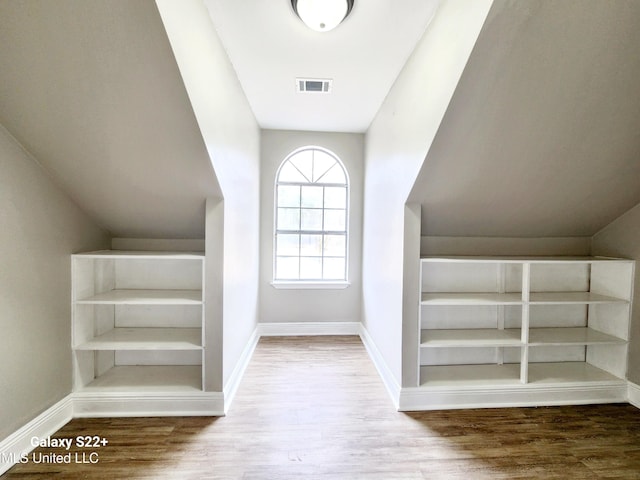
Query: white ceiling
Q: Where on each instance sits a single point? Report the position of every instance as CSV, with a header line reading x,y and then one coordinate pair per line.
x,y
269,47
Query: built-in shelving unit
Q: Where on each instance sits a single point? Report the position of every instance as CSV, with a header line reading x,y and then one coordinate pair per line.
x,y
138,324
545,323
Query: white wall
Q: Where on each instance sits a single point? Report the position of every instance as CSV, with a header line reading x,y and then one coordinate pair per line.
x,y
277,305
232,137
621,238
397,143
39,229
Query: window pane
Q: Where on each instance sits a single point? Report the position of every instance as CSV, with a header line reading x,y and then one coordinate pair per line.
x,y
334,269
335,197
288,196
310,268
289,173
335,245
288,219
322,162
288,245
335,175
311,197
334,220
304,163
311,220
287,268
311,245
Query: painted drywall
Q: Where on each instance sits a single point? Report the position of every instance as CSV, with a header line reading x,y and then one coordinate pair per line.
x,y
396,144
500,246
282,305
621,238
269,47
232,138
40,229
541,136
91,89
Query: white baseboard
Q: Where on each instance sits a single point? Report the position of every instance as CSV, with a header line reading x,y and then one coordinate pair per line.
x,y
231,387
147,405
634,394
390,383
44,425
526,395
291,329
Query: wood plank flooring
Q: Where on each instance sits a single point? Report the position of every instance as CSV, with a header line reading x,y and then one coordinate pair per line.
x,y
314,408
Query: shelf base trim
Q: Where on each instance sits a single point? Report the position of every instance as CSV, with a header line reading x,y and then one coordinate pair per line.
x,y
424,398
96,405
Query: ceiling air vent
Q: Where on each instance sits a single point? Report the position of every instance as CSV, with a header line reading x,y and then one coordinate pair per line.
x,y
313,85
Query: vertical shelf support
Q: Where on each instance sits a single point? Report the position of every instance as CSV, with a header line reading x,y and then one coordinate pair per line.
x,y
524,354
419,357
501,288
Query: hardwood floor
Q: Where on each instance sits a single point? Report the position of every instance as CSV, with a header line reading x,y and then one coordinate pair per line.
x,y
315,408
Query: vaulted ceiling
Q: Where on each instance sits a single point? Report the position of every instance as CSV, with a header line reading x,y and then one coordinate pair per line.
x,y
542,135
91,89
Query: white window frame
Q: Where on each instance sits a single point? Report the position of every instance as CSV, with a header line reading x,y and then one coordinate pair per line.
x,y
311,283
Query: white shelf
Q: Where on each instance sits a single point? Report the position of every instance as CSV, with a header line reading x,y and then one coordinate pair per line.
x,y
568,372
472,299
101,254
471,338
570,336
145,297
536,298
146,339
521,259
563,298
509,375
138,326
478,345
470,375
148,379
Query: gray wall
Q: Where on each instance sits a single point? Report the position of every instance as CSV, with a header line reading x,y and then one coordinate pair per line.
x,y
277,305
39,228
541,136
92,90
621,238
525,246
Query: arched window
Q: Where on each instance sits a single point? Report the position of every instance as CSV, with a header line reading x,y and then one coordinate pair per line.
x,y
311,217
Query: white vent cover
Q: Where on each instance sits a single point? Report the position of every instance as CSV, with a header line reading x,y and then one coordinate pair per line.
x,y
313,85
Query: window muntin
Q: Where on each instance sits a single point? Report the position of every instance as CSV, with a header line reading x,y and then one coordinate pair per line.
x,y
311,217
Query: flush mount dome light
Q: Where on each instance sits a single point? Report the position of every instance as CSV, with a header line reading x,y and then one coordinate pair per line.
x,y
322,15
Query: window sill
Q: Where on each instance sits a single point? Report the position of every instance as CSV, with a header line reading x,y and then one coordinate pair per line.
x,y
311,285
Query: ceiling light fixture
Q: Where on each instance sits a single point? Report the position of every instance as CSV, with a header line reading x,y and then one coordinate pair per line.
x,y
322,15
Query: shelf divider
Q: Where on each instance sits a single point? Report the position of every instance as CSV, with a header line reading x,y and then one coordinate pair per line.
x,y
524,353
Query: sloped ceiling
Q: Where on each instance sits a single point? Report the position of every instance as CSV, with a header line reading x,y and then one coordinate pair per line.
x,y
91,89
542,136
